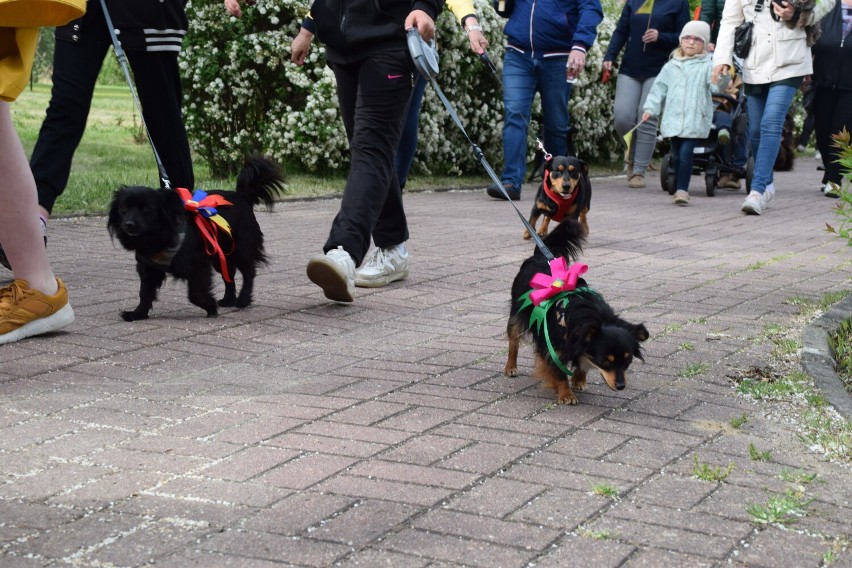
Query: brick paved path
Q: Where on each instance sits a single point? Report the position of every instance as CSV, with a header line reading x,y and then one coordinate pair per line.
x,y
300,432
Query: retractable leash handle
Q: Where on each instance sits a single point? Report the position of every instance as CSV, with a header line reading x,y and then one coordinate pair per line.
x,y
122,60
425,59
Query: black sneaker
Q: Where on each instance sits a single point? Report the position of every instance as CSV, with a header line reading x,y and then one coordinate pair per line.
x,y
5,261
513,192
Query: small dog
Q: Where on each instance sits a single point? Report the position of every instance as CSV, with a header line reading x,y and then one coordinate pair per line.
x,y
584,331
166,237
564,192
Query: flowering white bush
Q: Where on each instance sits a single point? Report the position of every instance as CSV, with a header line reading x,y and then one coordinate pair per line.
x,y
242,94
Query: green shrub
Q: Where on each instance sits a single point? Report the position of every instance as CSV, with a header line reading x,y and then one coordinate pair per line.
x,y
243,94
844,203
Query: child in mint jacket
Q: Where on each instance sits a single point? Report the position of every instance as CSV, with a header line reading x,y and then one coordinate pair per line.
x,y
683,93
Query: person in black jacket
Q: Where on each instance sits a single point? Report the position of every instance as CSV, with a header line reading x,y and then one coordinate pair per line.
x,y
367,50
648,38
832,78
151,32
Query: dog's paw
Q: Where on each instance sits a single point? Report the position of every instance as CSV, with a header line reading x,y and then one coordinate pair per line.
x,y
527,235
510,371
133,316
570,400
578,384
541,234
242,303
227,302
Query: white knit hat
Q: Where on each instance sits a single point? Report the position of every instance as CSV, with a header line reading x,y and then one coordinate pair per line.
x,y
697,29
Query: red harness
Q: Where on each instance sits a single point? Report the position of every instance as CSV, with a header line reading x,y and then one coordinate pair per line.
x,y
562,203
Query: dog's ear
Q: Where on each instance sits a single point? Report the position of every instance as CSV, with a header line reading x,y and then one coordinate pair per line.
x,y
171,209
641,334
584,167
114,217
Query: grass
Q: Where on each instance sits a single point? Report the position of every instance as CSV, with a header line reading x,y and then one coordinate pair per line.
x,y
757,455
706,472
694,369
841,347
738,421
781,510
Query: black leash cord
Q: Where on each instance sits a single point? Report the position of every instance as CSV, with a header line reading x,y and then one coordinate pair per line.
x,y
122,59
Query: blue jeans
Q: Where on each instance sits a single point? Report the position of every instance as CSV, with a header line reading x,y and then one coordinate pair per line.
x,y
766,114
682,150
522,78
408,143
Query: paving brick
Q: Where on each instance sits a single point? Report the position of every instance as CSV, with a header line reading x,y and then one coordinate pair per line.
x,y
680,540
248,463
270,547
364,522
456,550
584,551
496,497
426,450
674,491
383,489
298,513
509,533
320,443
411,473
305,470
562,508
252,494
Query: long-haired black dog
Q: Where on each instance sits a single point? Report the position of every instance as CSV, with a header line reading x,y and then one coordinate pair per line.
x,y
584,331
156,225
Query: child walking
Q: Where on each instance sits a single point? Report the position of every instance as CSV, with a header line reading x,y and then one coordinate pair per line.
x,y
683,91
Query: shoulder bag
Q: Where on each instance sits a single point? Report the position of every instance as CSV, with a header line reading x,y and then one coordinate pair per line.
x,y
743,34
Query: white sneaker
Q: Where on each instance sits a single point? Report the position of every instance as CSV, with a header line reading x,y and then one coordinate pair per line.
x,y
753,204
383,266
768,195
681,197
334,272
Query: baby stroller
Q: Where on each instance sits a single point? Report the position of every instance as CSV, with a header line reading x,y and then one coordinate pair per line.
x,y
712,158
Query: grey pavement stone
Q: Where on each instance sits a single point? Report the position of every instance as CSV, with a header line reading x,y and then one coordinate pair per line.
x,y
383,433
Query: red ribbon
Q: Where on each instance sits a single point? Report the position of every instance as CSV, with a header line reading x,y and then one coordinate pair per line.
x,y
204,206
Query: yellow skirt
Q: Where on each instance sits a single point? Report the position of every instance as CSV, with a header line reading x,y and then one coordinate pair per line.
x,y
19,23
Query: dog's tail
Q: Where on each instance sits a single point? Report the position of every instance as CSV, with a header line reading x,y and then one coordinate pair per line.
x,y
261,179
567,239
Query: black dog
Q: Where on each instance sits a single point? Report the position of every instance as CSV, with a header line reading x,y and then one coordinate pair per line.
x,y
564,192
158,226
584,331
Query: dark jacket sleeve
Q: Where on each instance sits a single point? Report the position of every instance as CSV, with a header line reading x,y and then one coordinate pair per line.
x,y
591,15
620,34
671,40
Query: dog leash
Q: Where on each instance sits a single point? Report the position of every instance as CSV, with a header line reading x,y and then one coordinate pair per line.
x,y
122,59
426,61
539,145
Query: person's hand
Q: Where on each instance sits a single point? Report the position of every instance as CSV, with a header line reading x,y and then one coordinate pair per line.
x,y
576,64
423,22
478,43
301,46
646,115
711,47
607,66
651,35
783,9
233,7
718,70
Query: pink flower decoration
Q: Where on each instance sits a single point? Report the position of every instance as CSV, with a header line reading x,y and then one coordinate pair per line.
x,y
561,278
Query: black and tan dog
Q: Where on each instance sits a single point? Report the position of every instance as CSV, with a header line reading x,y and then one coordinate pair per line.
x,y
578,330
165,233
564,192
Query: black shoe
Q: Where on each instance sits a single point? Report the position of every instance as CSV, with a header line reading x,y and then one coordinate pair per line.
x,y
493,190
5,261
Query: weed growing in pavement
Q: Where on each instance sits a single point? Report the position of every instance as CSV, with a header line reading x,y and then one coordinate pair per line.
x,y
797,476
604,490
738,421
708,473
757,455
827,434
602,534
694,369
686,346
780,510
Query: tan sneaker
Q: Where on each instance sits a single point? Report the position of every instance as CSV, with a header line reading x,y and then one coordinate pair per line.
x,y
636,181
25,312
728,181
681,197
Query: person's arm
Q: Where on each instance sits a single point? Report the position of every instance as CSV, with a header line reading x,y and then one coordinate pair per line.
x,y
619,36
732,16
465,12
591,15
671,39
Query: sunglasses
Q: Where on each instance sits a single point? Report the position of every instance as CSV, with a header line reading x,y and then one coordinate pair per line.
x,y
692,38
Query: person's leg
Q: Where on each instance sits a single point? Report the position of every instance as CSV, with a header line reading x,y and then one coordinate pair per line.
x,y
518,93
372,199
20,230
157,79
646,134
833,113
408,142
628,92
683,171
767,112
75,72
555,92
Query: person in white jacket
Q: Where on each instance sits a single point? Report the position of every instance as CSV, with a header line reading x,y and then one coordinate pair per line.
x,y
778,60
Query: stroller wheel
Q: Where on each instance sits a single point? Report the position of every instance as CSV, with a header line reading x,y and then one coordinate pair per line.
x,y
667,178
710,184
